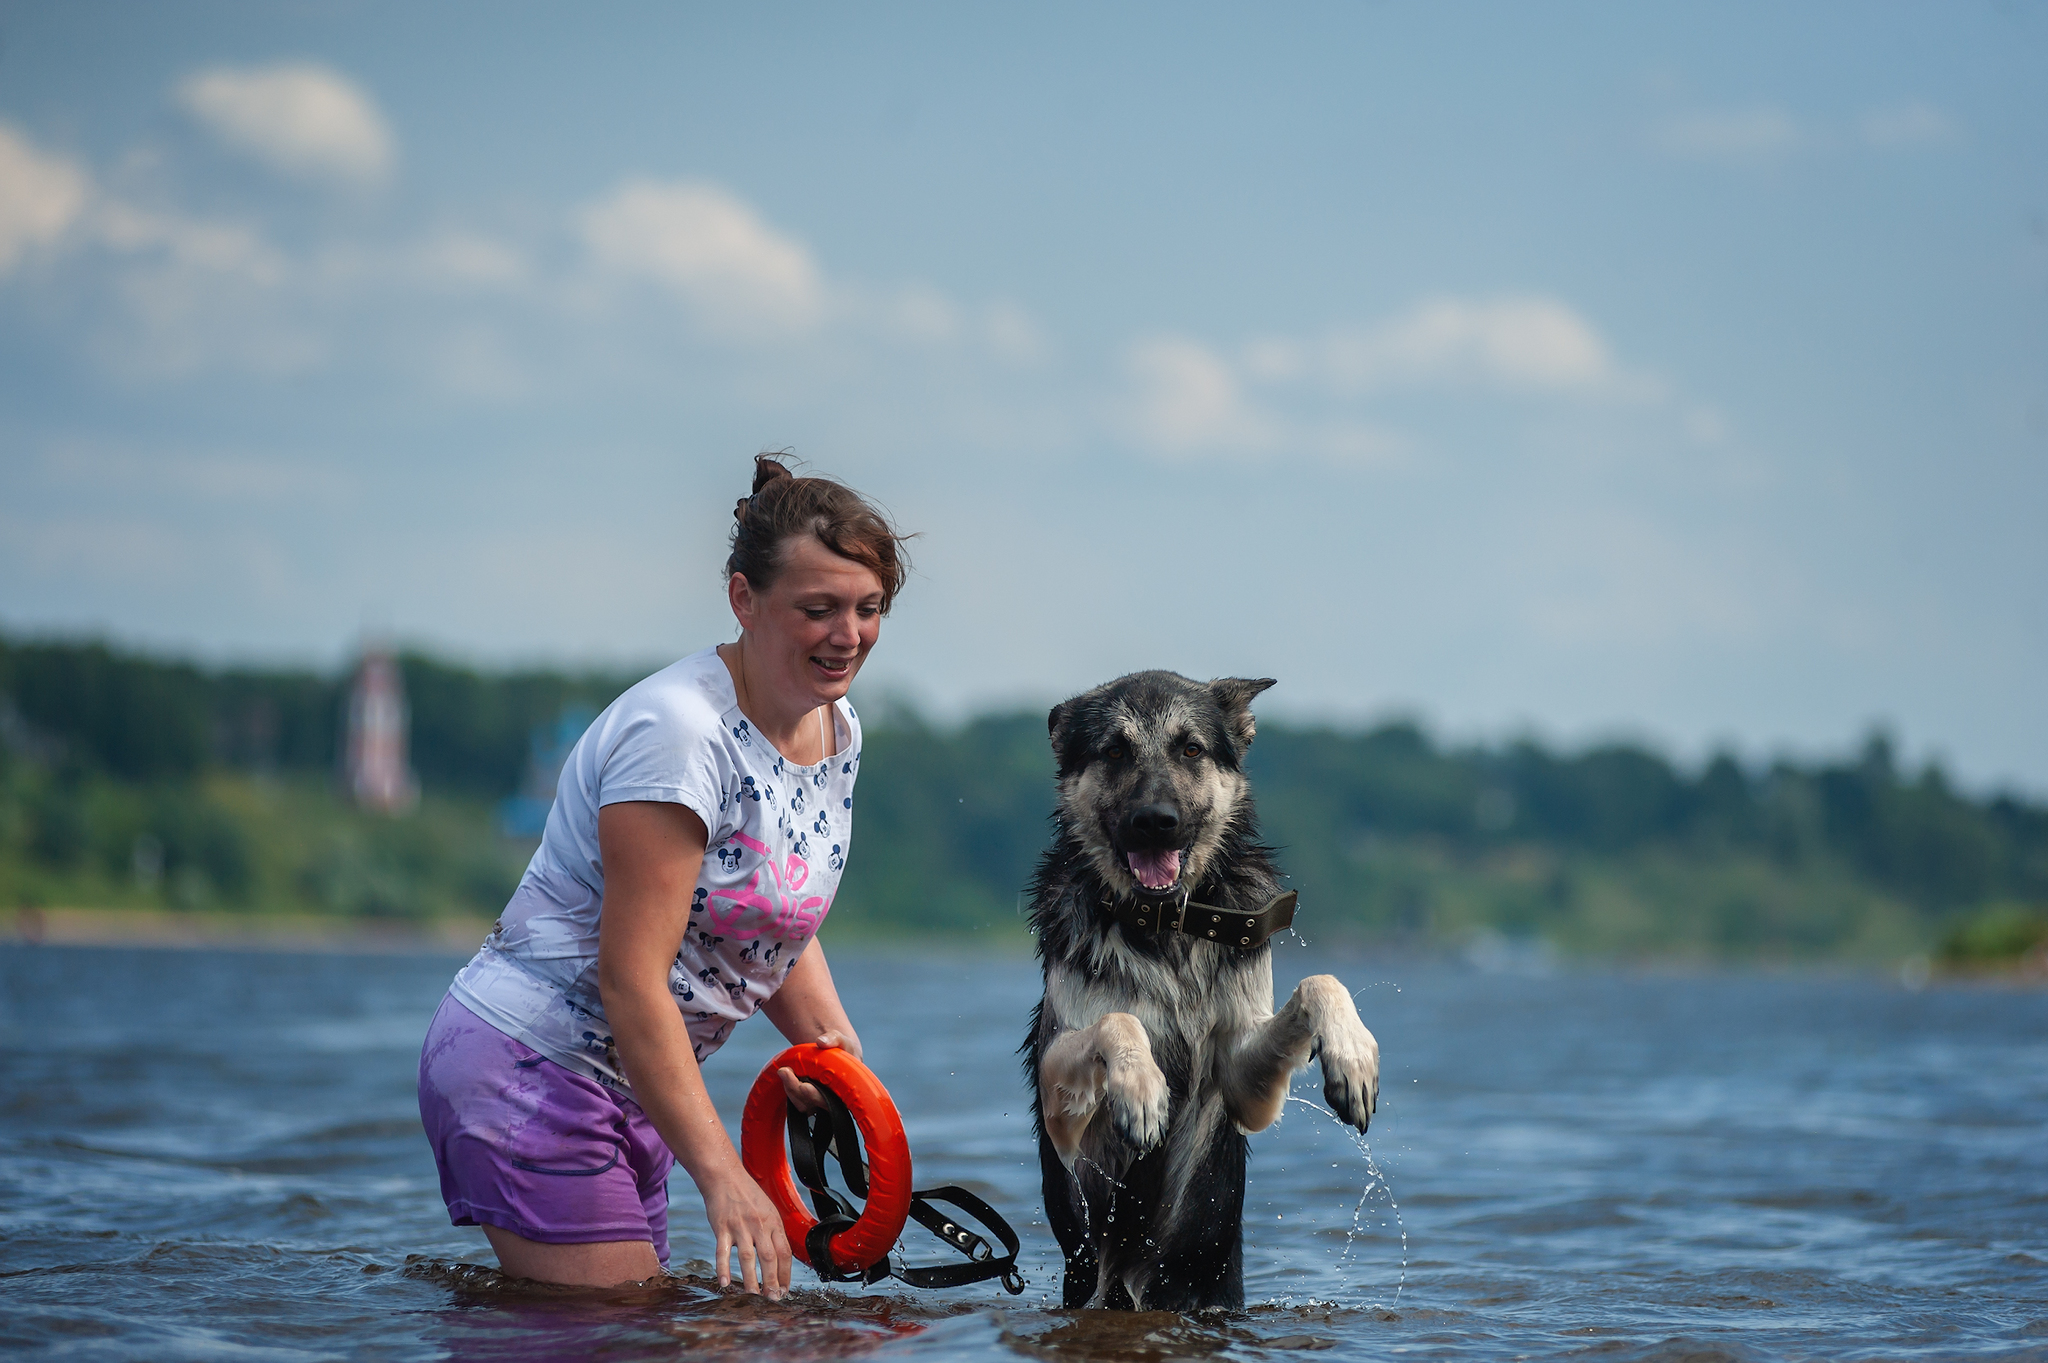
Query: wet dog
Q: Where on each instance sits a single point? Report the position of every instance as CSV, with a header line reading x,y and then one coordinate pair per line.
x,y
1156,1048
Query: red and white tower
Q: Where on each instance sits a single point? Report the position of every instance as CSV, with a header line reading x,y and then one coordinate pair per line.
x,y
378,774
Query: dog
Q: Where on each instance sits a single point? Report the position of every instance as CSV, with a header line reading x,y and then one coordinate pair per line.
x,y
1156,1050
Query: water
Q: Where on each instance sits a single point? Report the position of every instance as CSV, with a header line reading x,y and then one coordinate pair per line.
x,y
216,1155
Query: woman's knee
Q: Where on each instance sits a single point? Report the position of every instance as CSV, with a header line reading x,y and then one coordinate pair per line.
x,y
606,1263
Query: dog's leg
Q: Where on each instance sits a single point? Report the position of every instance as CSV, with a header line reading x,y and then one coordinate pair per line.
x,y
1111,1062
1319,1021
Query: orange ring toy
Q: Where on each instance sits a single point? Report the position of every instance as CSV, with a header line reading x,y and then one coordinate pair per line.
x,y
766,1156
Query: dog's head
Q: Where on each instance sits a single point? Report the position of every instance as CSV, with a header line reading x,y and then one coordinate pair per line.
x,y
1152,773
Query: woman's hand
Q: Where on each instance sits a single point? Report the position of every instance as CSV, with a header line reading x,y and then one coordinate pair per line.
x,y
742,1218
807,1009
803,1095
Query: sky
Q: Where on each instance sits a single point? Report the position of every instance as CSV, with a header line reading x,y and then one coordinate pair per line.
x,y
1667,372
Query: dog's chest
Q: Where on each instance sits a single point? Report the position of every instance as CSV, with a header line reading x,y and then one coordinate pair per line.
x,y
1185,1006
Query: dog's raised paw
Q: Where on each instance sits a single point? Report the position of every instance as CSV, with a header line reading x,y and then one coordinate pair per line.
x,y
1351,1077
1135,1089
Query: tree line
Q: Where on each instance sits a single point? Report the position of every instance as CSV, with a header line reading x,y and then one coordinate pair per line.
x,y
110,754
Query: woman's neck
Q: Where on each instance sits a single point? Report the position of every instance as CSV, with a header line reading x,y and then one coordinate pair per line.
x,y
799,732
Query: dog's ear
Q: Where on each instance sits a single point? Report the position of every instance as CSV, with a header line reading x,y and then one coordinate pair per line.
x,y
1056,726
1235,694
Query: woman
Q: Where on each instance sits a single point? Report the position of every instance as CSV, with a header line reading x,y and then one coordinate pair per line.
x,y
696,840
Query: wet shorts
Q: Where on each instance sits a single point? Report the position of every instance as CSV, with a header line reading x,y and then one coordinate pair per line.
x,y
535,1149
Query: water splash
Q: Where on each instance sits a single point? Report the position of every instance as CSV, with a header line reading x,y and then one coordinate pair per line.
x,y
1376,1181
1116,1186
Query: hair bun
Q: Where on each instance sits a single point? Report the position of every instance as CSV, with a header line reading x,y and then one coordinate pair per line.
x,y
768,469
784,507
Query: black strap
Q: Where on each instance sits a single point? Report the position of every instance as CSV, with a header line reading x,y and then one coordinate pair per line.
x,y
813,1135
1225,927
985,1262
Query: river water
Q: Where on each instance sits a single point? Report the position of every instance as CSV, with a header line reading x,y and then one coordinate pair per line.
x,y
216,1155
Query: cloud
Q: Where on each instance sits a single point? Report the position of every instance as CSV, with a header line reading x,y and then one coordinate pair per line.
x,y
463,259
1187,399
1528,343
40,197
918,312
1906,127
1303,395
1014,335
303,120
736,271
186,291
1532,343
1737,136
215,248
195,294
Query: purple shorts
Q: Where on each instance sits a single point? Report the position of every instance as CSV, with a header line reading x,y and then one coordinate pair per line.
x,y
530,1147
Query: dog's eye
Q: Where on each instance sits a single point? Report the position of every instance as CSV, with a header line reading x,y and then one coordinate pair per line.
x,y
1192,750
1114,752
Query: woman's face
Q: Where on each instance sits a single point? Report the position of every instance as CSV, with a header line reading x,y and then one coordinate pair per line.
x,y
808,634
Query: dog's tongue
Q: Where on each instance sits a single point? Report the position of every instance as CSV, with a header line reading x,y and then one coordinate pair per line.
x,y
1155,870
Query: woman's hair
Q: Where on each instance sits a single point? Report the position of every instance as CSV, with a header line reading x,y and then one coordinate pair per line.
x,y
783,506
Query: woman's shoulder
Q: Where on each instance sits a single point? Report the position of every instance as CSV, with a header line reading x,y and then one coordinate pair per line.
x,y
690,698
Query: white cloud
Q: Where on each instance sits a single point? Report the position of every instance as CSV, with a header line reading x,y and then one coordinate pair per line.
x,y
41,197
187,291
1014,335
1907,126
1307,396
738,272
218,248
1186,399
919,313
1275,359
298,118
470,260
197,294
1535,343
1740,136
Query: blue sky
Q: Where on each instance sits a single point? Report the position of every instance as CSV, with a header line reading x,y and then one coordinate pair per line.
x,y
1671,371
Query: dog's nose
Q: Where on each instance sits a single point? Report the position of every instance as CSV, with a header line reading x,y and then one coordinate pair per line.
x,y
1155,821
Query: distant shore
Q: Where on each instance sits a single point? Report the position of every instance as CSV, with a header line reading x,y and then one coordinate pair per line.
x,y
214,930
237,931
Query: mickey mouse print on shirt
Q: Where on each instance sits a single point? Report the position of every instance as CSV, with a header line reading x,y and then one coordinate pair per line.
x,y
779,835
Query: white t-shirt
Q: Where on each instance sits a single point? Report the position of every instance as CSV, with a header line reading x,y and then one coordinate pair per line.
x,y
779,835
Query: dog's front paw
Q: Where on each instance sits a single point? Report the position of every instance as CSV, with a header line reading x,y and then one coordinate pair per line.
x,y
1135,1089
1351,1067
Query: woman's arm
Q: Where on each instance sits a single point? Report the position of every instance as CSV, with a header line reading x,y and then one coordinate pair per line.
x,y
807,1007
652,854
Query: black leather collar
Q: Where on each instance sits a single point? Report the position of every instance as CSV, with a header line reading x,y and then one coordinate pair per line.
x,y
1205,922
